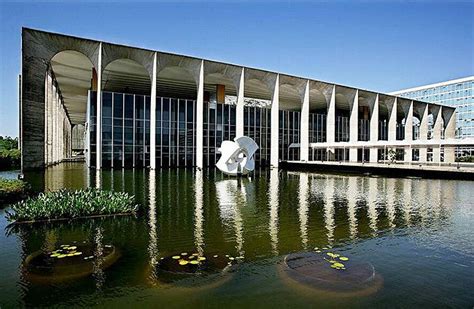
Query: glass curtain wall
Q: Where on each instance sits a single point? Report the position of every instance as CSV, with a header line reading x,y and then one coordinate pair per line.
x,y
219,125
175,132
257,125
342,128
383,130
126,130
289,128
317,134
364,130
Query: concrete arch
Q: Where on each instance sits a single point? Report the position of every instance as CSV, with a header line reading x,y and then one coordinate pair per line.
x,y
111,53
36,57
73,72
319,95
292,91
126,75
259,84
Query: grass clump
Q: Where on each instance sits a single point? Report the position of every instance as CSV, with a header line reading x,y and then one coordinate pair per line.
x,y
12,190
66,204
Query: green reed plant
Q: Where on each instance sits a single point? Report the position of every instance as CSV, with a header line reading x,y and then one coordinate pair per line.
x,y
65,204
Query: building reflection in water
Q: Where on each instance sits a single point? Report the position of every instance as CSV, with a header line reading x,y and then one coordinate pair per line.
x,y
153,244
372,204
199,212
329,221
352,195
273,201
98,273
303,209
390,201
231,196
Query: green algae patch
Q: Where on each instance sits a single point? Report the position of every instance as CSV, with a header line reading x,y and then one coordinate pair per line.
x,y
65,204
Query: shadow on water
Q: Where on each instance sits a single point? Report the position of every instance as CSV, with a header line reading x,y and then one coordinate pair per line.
x,y
415,232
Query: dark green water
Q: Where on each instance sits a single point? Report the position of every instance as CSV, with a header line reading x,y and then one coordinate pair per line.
x,y
418,234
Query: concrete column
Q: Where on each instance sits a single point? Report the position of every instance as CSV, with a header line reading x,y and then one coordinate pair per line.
x,y
437,135
153,116
239,121
449,133
392,121
331,123
98,164
46,103
200,117
304,128
55,124
409,132
48,128
274,141
353,127
424,133
374,129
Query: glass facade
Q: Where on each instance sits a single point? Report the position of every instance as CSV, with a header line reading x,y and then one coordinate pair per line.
x,y
289,133
219,125
126,130
257,125
457,93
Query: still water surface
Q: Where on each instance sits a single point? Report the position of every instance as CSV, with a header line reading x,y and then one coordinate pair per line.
x,y
417,233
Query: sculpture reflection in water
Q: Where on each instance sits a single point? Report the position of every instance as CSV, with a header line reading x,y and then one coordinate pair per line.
x,y
237,156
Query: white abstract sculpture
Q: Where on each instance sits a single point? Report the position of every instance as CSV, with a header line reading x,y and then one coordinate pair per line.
x,y
237,156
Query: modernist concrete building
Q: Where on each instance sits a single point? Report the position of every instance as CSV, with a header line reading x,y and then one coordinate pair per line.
x,y
146,108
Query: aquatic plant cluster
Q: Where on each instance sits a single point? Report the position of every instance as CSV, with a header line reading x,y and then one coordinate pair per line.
x,y
12,190
66,204
335,259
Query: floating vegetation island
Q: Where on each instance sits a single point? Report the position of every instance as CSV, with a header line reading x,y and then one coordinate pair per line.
x,y
69,262
189,270
66,204
12,190
330,273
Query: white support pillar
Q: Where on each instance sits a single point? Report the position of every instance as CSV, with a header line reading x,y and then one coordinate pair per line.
x,y
354,126
274,139
374,130
392,122
331,123
200,117
424,133
239,121
450,133
437,135
304,133
98,127
153,116
408,133
55,125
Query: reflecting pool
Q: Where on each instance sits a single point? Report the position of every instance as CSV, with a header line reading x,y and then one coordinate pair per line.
x,y
416,235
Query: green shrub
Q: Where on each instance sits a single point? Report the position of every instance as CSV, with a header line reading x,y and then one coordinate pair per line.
x,y
10,155
12,190
72,204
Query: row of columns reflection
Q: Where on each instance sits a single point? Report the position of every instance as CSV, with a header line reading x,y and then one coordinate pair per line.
x,y
329,209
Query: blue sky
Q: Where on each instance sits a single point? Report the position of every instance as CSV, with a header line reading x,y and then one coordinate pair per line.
x,y
377,45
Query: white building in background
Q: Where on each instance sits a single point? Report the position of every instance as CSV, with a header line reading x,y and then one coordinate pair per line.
x,y
458,93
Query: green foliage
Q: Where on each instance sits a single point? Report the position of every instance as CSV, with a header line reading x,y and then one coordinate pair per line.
x,y
10,155
465,159
72,204
11,190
